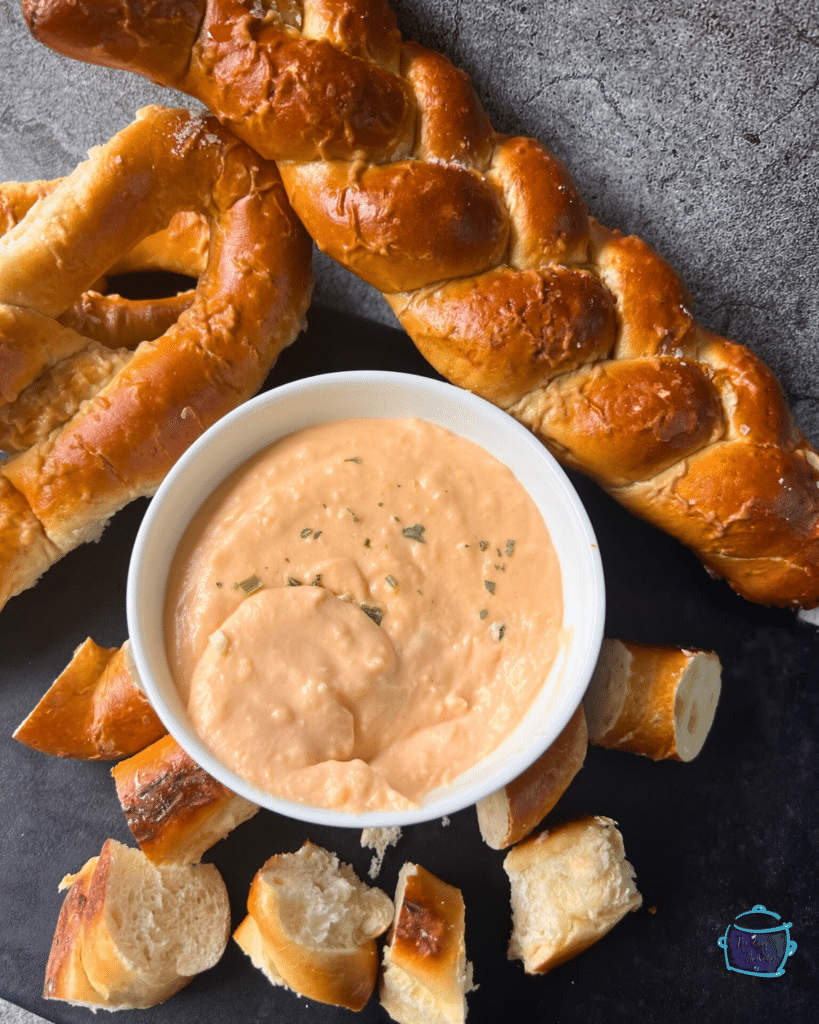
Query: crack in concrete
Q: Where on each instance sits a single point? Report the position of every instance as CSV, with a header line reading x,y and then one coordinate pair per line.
x,y
578,77
801,34
801,94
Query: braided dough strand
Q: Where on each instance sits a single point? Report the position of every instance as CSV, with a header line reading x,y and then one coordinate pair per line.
x,y
143,409
487,255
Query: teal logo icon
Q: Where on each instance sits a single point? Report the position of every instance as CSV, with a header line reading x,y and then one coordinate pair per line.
x,y
754,945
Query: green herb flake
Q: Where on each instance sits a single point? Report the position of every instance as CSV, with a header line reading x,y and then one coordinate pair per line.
x,y
498,630
306,531
376,614
391,582
317,581
317,534
249,585
292,582
510,548
219,584
483,544
414,533
350,511
490,586
354,458
484,612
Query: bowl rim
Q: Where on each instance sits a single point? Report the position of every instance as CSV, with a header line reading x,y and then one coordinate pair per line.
x,y
142,576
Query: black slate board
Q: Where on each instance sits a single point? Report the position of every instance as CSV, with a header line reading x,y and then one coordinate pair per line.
x,y
735,828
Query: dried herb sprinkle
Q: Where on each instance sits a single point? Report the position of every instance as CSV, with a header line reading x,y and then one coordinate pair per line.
x,y
414,533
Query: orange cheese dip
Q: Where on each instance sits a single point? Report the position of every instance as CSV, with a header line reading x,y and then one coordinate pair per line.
x,y
362,612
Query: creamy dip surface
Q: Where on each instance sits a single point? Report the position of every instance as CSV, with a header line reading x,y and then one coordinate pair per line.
x,y
362,612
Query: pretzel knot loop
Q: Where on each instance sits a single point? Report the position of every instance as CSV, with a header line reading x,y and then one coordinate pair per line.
x,y
486,253
91,425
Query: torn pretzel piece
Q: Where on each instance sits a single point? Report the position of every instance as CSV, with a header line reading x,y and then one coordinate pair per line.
x,y
175,809
655,701
426,975
510,814
570,886
131,934
94,710
312,925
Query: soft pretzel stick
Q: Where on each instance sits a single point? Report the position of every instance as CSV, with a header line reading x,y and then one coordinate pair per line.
x,y
94,710
175,809
510,814
656,701
249,304
510,289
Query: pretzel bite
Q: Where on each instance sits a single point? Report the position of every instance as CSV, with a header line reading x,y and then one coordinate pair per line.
x,y
570,886
426,975
175,809
131,934
656,701
312,926
94,710
249,303
511,813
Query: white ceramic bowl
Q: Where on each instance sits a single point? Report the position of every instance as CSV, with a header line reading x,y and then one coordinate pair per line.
x,y
275,414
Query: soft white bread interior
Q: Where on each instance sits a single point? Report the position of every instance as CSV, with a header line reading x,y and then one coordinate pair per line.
x,y
426,975
510,814
131,934
570,886
312,926
175,809
656,701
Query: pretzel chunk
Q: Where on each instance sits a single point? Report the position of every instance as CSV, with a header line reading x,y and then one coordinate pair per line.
x,y
570,886
175,809
656,701
312,926
426,975
513,812
131,935
94,710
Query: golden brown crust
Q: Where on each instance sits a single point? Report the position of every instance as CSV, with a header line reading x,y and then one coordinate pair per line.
x,y
94,710
425,968
249,303
511,814
651,700
175,809
65,976
510,289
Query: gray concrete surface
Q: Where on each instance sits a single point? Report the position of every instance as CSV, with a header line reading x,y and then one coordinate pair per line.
x,y
688,122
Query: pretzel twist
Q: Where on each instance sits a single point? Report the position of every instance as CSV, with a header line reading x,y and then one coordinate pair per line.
x,y
96,426
486,253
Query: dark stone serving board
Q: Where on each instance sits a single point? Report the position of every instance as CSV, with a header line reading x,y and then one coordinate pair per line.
x,y
735,828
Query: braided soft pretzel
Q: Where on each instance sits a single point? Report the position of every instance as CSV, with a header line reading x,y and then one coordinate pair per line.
x,y
249,303
487,256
